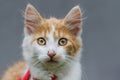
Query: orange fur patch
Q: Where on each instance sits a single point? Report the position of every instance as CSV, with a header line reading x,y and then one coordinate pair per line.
x,y
61,31
14,72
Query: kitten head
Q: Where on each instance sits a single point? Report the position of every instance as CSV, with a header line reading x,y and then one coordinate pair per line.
x,y
51,42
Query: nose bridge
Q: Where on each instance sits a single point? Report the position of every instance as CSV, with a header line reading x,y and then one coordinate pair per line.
x,y
51,40
51,33
52,47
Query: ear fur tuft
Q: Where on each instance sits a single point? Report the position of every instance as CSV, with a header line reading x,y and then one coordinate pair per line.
x,y
73,20
32,19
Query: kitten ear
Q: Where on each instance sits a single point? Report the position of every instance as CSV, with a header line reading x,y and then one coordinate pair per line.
x,y
73,20
32,19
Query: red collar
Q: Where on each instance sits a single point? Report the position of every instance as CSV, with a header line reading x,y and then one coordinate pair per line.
x,y
28,75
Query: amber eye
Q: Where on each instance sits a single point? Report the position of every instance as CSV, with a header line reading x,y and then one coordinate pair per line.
x,y
41,41
62,41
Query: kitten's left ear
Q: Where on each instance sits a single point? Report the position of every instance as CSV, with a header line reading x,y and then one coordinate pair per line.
x,y
73,20
32,19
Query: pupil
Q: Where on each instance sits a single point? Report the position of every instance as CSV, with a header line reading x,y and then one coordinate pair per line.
x,y
41,41
62,41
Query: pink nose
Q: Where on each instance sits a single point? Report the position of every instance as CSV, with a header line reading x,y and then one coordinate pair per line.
x,y
51,54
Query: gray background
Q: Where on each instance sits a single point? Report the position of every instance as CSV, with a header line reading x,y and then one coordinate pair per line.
x,y
101,55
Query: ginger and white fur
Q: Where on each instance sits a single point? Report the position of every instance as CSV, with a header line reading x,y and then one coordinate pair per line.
x,y
68,65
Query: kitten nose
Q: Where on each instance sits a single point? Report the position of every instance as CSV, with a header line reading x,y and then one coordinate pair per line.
x,y
51,54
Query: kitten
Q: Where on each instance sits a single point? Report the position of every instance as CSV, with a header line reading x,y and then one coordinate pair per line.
x,y
51,47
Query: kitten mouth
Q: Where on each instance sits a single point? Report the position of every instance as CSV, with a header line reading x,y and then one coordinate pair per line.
x,y
52,61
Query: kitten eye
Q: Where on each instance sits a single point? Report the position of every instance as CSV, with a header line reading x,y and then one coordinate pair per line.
x,y
41,41
62,41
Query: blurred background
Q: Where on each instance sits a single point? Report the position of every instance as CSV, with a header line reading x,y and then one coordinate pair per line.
x,y
101,33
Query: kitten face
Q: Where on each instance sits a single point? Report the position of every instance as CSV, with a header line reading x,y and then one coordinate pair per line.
x,y
51,42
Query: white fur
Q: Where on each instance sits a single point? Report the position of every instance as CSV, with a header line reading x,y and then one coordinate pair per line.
x,y
67,69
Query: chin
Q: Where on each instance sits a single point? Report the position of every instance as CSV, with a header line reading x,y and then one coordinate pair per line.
x,y
52,64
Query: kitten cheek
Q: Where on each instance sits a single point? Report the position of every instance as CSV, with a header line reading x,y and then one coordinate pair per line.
x,y
69,49
43,58
59,58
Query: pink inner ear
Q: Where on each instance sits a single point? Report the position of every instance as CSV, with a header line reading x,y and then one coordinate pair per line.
x,y
32,19
29,30
75,31
73,20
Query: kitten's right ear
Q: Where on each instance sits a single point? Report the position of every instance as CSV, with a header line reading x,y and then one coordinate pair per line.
x,y
32,19
73,20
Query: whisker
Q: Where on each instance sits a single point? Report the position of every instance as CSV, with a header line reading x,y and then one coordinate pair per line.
x,y
84,75
36,62
69,57
34,56
68,61
33,61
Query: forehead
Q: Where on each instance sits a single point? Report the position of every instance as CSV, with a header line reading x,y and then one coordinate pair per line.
x,y
52,28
